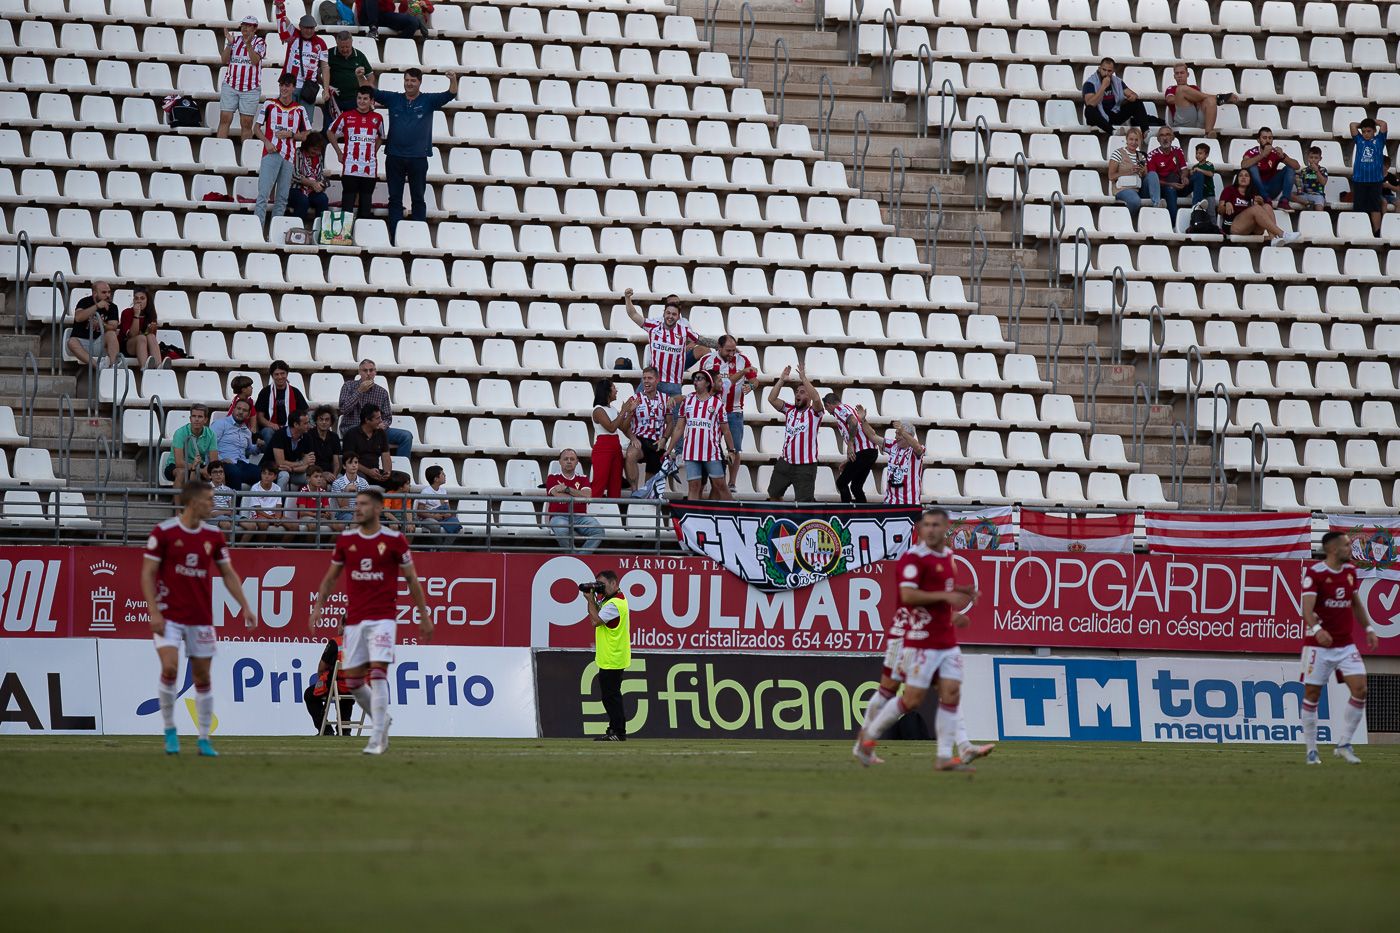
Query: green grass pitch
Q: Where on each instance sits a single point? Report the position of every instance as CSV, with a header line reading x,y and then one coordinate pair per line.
x,y
308,834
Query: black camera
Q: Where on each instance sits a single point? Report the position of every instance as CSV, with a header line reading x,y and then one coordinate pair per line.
x,y
590,588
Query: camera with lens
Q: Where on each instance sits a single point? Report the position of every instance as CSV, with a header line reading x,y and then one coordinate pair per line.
x,y
593,588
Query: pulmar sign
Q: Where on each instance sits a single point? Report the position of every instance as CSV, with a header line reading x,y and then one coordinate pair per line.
x,y
775,547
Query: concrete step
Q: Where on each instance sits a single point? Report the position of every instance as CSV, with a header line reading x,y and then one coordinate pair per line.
x,y
1197,455
727,39
808,110
12,384
51,427
83,470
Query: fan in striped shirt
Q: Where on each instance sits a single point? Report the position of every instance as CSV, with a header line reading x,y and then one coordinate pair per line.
x,y
241,89
861,444
702,423
904,466
797,466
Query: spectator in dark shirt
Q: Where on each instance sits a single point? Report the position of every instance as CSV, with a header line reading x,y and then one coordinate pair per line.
x,y
361,390
277,401
291,451
370,443
317,694
137,329
410,142
324,441
349,69
95,321
1108,102
307,198
1271,170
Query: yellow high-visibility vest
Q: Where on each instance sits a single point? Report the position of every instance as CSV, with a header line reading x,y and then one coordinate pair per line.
x,y
614,645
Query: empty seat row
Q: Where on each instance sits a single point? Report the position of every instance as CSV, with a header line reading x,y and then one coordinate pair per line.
x,y
1259,299
1318,262
1286,377
1307,338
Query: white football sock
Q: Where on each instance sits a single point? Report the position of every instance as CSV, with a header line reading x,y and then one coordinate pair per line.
x,y
364,698
166,693
877,703
379,706
204,709
961,737
1351,718
889,715
946,722
1310,726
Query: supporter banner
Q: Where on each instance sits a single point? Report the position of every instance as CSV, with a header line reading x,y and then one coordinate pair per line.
x,y
991,529
1158,700
1041,531
702,696
258,690
1096,601
1373,547
1231,534
49,686
774,546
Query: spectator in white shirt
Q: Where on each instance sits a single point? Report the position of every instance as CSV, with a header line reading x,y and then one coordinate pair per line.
x,y
264,509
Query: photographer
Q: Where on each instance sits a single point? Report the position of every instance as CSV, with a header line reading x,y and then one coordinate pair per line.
x,y
607,610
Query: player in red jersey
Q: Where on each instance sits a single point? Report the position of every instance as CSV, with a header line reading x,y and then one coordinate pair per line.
x,y
1331,606
376,555
181,554
929,601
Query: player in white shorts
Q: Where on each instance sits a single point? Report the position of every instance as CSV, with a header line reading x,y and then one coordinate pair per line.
x,y
1331,607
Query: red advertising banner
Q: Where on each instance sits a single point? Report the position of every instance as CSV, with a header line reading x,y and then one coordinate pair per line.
x,y
1079,600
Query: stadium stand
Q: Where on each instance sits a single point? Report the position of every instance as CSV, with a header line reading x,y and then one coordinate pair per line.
x,y
600,146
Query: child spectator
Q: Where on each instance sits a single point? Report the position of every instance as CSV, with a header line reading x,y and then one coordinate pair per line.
x,y
243,392
1202,176
1367,169
308,198
224,495
351,480
136,331
1311,192
397,513
266,510
436,515
314,503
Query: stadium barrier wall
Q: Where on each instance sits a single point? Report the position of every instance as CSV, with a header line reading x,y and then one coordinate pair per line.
x,y
107,686
1115,602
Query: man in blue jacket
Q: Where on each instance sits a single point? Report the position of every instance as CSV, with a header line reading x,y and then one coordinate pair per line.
x,y
410,141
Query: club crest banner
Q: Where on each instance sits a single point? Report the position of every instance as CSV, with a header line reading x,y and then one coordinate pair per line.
x,y
774,546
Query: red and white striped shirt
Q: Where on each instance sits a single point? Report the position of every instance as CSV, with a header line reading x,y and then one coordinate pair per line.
x,y
703,418
359,141
855,440
800,433
728,377
668,347
274,116
304,56
902,474
241,74
649,417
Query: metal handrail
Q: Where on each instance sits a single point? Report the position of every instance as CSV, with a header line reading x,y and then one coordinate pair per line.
x,y
977,253
119,404
981,152
1091,389
58,307
889,27
780,88
932,229
1020,179
1116,311
24,268
946,92
28,394
896,196
921,109
819,8
860,153
155,437
1179,461
1081,275
745,46
67,427
102,462
1156,339
1054,316
710,23
1139,442
1013,310
853,53
1217,442
1057,236
1195,376
824,111
1258,463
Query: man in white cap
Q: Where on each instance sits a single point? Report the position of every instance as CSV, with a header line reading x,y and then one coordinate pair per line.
x,y
241,90
307,58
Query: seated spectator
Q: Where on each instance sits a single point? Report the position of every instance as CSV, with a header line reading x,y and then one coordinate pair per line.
x,y
317,693
701,422
398,508
241,89
1128,175
349,70
1311,193
95,322
1108,102
1242,212
277,402
225,499
264,509
308,199
349,480
370,442
362,130
291,452
1367,169
234,440
193,448
567,517
243,391
315,505
1390,188
1168,163
325,443
422,10
436,515
361,391
137,329
283,125
376,13
1272,170
1202,176
1190,109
